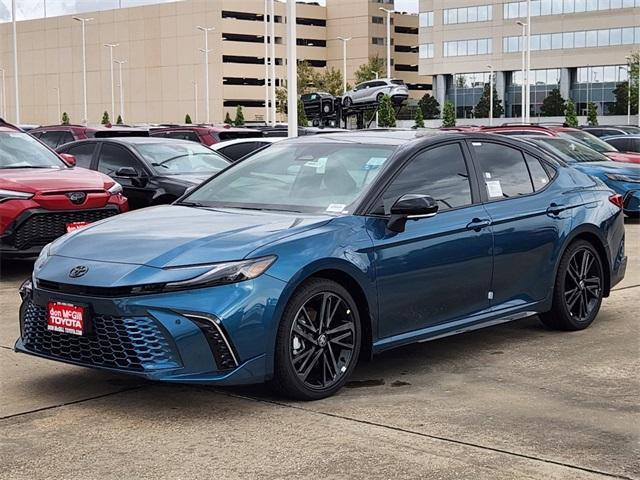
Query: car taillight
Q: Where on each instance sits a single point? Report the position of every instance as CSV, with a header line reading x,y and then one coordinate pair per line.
x,y
617,200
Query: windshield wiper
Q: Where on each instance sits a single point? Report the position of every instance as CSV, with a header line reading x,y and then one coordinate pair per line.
x,y
190,204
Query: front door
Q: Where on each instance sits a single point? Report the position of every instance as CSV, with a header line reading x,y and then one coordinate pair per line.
x,y
438,269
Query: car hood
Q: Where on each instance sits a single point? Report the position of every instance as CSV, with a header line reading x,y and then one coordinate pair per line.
x,y
630,157
608,167
174,235
35,180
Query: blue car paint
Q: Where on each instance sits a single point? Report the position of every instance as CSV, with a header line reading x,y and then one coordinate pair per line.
x,y
516,257
629,190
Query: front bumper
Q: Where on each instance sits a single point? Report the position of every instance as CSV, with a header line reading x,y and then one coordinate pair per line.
x,y
220,335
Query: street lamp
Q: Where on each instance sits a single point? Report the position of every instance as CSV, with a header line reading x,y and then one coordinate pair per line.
x,y
111,46
528,86
389,12
522,87
195,100
292,76
15,61
57,90
3,110
83,21
490,67
344,62
206,51
626,69
377,76
267,110
272,34
120,63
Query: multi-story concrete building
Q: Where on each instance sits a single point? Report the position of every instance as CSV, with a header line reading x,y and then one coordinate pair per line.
x,y
577,45
163,78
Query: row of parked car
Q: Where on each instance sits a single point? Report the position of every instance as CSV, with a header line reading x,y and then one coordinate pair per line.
x,y
100,171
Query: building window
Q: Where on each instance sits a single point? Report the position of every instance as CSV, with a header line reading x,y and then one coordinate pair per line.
x,y
480,13
405,49
405,68
426,50
311,42
462,48
425,19
563,7
248,60
406,30
379,20
379,41
569,40
314,22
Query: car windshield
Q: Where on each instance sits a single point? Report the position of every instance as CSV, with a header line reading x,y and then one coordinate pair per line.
x,y
299,177
571,151
590,141
21,150
181,158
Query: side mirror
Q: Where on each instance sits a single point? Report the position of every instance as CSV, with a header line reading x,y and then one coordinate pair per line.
x,y
411,206
69,159
126,172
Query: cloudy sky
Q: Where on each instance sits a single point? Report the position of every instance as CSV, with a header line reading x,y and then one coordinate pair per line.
x,y
35,8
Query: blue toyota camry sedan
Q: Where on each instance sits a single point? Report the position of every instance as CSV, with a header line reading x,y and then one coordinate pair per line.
x,y
290,266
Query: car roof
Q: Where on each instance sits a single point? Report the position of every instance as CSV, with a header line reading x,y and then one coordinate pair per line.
x,y
201,126
137,141
235,141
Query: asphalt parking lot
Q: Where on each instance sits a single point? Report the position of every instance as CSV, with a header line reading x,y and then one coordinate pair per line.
x,y
509,402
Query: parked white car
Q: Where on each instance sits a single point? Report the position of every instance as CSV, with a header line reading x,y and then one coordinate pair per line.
x,y
239,148
373,91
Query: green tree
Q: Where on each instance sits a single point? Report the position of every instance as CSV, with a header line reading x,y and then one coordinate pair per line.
x,y
227,119
448,115
187,118
553,104
570,117
429,106
239,120
328,80
306,77
366,71
119,120
386,113
105,118
281,100
592,114
302,116
419,118
65,118
482,108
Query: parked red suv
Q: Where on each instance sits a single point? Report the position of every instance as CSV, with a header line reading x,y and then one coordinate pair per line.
x,y
204,134
56,135
575,134
43,196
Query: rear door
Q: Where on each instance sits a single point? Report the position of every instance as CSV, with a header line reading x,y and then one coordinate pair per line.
x,y
139,190
529,214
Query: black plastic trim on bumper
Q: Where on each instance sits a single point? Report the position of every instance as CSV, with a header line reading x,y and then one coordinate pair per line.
x,y
222,349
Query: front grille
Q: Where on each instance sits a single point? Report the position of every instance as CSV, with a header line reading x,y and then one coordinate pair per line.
x,y
136,344
42,228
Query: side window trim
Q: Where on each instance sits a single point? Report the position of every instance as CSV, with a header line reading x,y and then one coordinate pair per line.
x,y
473,181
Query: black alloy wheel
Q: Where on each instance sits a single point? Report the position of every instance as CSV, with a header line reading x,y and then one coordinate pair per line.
x,y
318,341
579,288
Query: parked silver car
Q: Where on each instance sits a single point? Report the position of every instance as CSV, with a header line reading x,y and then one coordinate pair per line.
x,y
373,90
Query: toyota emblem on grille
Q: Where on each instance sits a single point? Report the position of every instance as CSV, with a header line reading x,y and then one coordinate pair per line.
x,y
78,271
77,197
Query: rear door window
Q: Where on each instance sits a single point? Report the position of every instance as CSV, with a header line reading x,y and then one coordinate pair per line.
x,y
83,153
503,170
238,150
65,137
539,175
51,138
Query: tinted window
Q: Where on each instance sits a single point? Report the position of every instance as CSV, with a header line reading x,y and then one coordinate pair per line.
x,y
539,175
183,136
65,137
440,172
620,143
238,150
113,158
83,153
503,170
50,138
635,145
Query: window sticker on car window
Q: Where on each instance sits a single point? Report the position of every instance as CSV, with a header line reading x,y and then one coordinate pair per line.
x,y
487,175
494,189
373,163
336,207
319,164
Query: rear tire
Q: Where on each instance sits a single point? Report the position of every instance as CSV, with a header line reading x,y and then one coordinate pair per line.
x,y
379,97
318,341
578,289
347,102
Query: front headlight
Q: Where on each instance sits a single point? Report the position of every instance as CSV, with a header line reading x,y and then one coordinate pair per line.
x,y
115,189
623,178
224,273
42,258
14,195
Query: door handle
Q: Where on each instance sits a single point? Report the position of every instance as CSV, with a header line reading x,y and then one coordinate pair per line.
x,y
478,224
555,209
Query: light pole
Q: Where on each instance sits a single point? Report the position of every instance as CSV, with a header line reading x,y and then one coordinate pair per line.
x,y
120,63
57,90
111,46
267,110
3,110
292,76
195,100
83,21
490,67
15,60
272,34
626,69
206,51
455,95
528,86
522,87
377,76
344,62
389,12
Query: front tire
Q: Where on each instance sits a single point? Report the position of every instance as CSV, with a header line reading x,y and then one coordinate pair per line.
x,y
578,289
347,102
318,341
